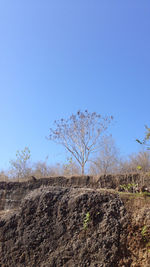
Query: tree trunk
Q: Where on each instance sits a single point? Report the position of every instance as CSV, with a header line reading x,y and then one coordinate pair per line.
x,y
82,168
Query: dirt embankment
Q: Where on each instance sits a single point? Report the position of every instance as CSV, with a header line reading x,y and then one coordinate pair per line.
x,y
138,229
72,222
11,193
64,227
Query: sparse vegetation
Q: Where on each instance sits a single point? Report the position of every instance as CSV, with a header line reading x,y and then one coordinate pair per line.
x,y
70,168
136,162
129,187
20,166
107,159
84,136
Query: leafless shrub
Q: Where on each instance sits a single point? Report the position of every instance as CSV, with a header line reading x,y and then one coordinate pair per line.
x,y
20,165
3,176
70,168
107,159
137,162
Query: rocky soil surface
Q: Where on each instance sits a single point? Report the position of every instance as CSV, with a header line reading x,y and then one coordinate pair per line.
x,y
64,227
56,222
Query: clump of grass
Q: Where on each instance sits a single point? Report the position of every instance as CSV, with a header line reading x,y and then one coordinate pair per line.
x,y
145,233
86,220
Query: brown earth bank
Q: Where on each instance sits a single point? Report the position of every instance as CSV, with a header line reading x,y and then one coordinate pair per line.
x,y
138,229
52,228
11,193
73,222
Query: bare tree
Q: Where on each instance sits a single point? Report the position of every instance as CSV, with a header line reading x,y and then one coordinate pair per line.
x,y
136,162
142,160
43,169
80,134
107,159
20,166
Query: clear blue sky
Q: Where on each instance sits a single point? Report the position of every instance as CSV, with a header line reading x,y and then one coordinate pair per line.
x,y
60,56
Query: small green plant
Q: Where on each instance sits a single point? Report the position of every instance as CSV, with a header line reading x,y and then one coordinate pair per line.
x,y
146,237
148,246
139,167
128,187
144,232
86,220
146,194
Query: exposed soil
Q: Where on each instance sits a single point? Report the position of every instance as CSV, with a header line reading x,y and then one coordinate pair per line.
x,y
49,229
138,229
69,225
